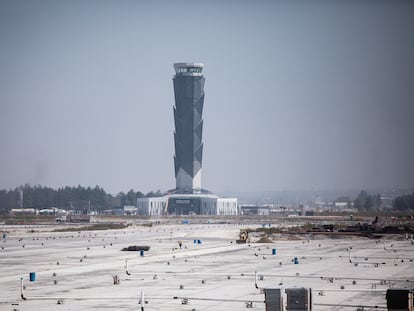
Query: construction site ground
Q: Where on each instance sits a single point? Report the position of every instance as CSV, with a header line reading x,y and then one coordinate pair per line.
x,y
76,270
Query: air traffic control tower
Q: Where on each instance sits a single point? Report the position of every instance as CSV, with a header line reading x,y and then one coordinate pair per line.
x,y
188,197
188,110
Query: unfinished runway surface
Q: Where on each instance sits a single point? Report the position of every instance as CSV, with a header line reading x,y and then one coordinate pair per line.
x,y
75,270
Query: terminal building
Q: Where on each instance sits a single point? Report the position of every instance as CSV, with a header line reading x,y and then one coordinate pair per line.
x,y
188,197
187,204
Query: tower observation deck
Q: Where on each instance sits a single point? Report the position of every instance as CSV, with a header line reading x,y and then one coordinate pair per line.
x,y
188,110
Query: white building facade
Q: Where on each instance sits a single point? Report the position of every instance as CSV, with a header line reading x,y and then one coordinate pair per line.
x,y
152,206
187,204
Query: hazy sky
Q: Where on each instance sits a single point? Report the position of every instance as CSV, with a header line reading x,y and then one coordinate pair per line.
x,y
299,94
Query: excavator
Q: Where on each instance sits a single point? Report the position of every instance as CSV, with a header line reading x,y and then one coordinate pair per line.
x,y
243,236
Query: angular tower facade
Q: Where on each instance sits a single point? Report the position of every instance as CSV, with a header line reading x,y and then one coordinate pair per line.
x,y
188,110
188,198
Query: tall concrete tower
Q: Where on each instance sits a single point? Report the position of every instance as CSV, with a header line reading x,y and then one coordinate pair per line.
x,y
188,110
188,198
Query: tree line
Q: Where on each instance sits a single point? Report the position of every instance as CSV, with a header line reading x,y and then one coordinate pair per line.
x,y
77,198
404,202
367,202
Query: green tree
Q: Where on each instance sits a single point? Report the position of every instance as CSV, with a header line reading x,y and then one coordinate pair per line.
x,y
360,201
404,202
78,198
364,201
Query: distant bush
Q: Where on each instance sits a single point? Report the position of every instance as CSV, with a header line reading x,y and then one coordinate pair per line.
x,y
103,226
265,239
404,203
136,248
267,230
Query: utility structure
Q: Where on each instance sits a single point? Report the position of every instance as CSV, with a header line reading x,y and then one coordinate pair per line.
x,y
188,111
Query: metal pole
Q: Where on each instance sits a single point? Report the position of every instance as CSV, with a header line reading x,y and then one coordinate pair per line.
x,y
255,280
21,289
126,267
142,300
